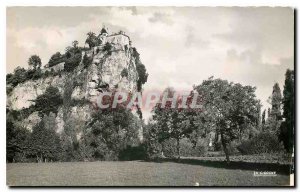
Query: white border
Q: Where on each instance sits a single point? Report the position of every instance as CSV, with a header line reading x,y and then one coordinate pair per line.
x,y
5,3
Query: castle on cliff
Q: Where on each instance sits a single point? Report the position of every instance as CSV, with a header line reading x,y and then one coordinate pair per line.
x,y
115,38
120,42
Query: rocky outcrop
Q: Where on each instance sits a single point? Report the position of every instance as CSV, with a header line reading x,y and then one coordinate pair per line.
x,y
79,88
23,95
106,71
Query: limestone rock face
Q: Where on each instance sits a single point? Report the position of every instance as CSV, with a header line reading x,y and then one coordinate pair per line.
x,y
23,95
80,88
106,71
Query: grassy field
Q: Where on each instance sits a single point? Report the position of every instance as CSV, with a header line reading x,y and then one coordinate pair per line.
x,y
137,173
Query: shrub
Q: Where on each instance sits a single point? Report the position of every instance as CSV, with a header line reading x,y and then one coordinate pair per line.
x,y
264,142
108,48
56,58
9,89
124,73
141,70
35,61
73,58
37,74
72,62
79,102
49,101
133,153
186,148
87,61
19,76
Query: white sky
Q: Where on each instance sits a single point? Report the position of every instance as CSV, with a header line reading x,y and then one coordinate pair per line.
x,y
180,47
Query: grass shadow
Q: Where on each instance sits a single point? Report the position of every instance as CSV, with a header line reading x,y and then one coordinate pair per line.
x,y
284,169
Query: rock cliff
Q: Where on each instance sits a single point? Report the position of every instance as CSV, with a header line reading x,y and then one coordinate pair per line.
x,y
105,69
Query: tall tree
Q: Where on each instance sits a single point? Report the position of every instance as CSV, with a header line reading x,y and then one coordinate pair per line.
x,y
173,122
287,127
75,43
274,117
16,137
276,102
263,118
35,62
230,106
44,142
91,39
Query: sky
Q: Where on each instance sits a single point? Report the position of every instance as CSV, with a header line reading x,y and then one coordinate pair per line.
x,y
180,46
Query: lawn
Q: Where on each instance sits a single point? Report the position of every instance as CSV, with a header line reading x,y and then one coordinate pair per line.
x,y
137,173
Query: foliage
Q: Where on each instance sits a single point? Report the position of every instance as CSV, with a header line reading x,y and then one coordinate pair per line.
x,y
108,48
87,61
16,138
9,89
110,132
264,142
73,58
56,58
35,62
75,44
230,106
133,153
124,73
19,76
151,138
273,122
79,102
44,142
187,148
48,102
263,118
287,127
141,69
92,40
172,122
34,74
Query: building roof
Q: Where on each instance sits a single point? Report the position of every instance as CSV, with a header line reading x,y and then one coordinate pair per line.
x,y
103,30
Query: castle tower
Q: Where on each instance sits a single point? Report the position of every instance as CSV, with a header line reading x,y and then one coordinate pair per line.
x,y
102,36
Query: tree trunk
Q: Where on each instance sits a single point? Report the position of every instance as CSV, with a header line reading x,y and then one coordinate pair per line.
x,y
225,147
178,148
162,149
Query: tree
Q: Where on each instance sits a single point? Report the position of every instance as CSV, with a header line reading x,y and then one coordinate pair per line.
x,y
172,122
87,61
44,142
35,62
273,122
287,127
108,48
263,118
230,106
92,39
269,112
276,102
19,76
48,102
75,44
16,137
110,131
150,138
142,74
72,58
55,59
141,70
